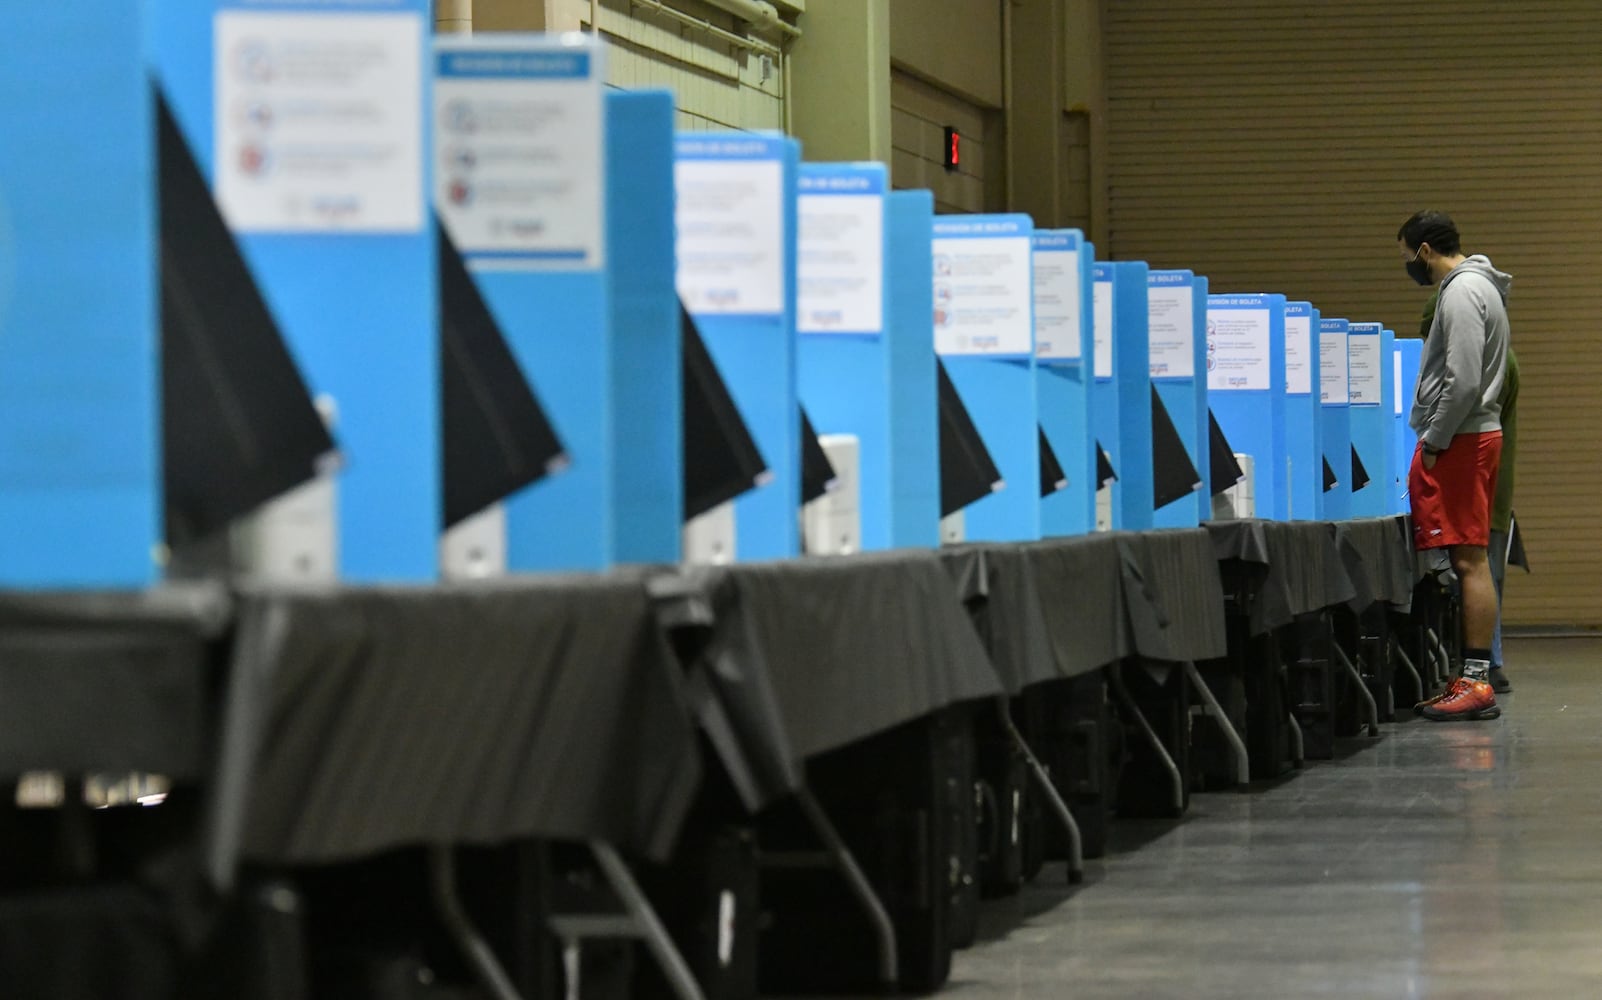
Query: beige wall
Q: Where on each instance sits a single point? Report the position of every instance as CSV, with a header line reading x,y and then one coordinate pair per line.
x,y
1022,79
1083,129
840,81
508,15
956,44
919,114
1280,149
717,85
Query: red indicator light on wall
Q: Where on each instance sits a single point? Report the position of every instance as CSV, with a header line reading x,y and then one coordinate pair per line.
x,y
953,149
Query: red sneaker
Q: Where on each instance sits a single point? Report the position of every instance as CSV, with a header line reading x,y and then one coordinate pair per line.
x,y
1453,686
1466,700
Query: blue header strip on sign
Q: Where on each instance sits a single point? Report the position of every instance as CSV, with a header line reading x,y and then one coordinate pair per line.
x,y
991,226
743,148
496,65
1056,240
479,256
841,178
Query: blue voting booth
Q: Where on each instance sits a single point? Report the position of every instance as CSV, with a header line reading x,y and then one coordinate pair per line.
x,y
865,362
1303,413
80,473
1387,407
1134,504
984,329
736,225
548,290
1063,262
1177,309
1336,429
1405,363
646,420
1246,389
344,250
913,479
1103,387
1369,418
1121,391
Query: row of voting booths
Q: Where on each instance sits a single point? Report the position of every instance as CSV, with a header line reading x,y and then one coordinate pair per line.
x,y
410,403
462,338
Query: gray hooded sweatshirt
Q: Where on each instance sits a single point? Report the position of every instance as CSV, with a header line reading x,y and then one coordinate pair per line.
x,y
1465,356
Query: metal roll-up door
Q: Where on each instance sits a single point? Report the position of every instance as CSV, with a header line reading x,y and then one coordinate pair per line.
x,y
1277,146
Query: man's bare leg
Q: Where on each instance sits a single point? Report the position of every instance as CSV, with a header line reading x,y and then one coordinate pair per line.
x,y
1479,595
1472,697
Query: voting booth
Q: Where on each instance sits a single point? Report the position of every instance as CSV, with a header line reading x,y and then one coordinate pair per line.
x,y
1336,427
80,495
1369,418
865,363
338,239
1122,395
736,274
647,443
1247,392
984,332
1064,338
521,189
305,444
1405,357
1177,308
1304,464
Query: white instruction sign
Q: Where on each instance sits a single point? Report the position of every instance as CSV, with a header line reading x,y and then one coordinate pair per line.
x,y
1396,361
318,124
1365,377
1059,299
840,263
1332,366
1171,320
1298,355
1102,311
1239,335
519,168
730,220
984,285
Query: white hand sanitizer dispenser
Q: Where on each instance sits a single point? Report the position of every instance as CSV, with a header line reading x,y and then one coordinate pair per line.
x,y
294,538
475,547
1240,500
708,540
832,524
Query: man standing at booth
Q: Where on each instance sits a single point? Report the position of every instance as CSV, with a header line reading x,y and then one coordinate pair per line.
x,y
1457,415
1502,505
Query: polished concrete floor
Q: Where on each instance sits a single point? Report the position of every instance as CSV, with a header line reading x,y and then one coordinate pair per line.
x,y
1438,860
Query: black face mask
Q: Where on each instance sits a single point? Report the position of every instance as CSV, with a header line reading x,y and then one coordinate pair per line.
x,y
1419,271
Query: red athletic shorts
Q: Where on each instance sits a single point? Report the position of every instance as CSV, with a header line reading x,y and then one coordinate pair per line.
x,y
1452,502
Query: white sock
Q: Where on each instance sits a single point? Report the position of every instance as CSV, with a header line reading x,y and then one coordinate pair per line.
x,y
1476,670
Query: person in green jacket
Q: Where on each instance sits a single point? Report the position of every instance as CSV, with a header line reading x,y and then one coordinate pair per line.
x,y
1502,505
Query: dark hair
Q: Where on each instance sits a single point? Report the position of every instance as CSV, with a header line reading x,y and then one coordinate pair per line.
x,y
1432,227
